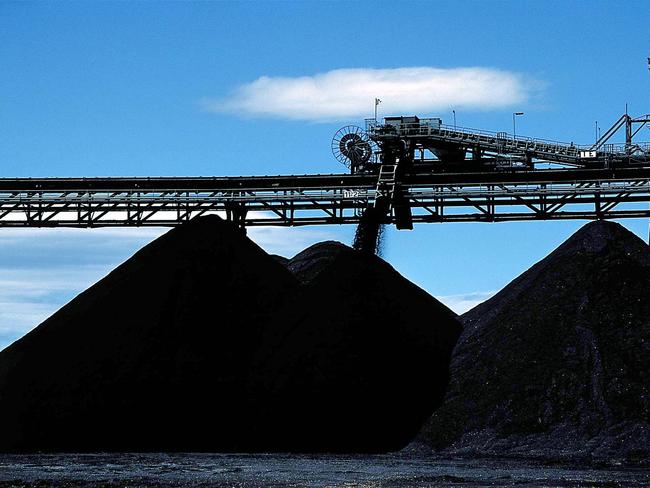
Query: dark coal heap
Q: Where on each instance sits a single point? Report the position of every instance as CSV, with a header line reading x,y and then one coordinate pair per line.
x,y
362,354
195,344
153,357
556,364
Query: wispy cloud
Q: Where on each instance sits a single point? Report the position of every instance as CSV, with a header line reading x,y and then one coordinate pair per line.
x,y
349,93
29,295
466,301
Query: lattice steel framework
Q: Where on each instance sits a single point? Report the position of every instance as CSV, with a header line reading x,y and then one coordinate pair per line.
x,y
323,199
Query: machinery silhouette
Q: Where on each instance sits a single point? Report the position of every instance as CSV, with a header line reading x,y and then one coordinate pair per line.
x,y
407,169
352,147
410,146
427,145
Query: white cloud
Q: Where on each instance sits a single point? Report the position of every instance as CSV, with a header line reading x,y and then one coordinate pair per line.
x,y
275,240
349,93
466,301
18,318
104,236
48,232
28,296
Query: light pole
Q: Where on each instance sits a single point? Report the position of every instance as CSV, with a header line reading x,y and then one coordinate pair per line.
x,y
514,125
454,119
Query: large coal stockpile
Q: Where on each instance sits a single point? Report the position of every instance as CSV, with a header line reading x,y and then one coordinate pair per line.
x,y
360,359
203,342
153,357
556,364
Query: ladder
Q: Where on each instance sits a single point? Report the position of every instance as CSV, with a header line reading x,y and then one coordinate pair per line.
x,y
386,182
390,196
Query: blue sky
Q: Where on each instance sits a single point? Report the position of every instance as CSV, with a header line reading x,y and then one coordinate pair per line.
x,y
154,88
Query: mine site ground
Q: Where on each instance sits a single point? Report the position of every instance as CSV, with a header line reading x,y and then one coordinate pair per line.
x,y
290,470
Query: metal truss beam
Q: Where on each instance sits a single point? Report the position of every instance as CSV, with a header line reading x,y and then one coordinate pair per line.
x,y
324,199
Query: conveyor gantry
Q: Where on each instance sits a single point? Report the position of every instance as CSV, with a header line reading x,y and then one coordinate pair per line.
x,y
499,182
450,144
325,199
412,145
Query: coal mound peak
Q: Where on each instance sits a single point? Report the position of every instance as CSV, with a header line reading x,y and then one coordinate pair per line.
x,y
362,354
554,365
307,264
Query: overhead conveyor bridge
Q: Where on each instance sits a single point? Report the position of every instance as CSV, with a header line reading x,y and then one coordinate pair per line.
x,y
324,199
407,169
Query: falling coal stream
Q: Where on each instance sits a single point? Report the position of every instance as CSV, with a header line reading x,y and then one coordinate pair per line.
x,y
368,236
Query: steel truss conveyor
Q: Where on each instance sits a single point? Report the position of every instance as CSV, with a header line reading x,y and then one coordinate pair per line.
x,y
325,199
500,149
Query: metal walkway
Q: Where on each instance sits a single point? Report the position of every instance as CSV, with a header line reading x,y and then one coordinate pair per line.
x,y
324,199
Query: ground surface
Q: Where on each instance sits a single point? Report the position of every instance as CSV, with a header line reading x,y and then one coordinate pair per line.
x,y
247,471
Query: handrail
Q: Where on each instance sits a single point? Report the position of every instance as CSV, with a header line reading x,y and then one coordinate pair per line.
x,y
502,140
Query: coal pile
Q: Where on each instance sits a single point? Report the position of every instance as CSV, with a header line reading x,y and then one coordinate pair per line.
x,y
197,343
359,360
556,365
153,357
